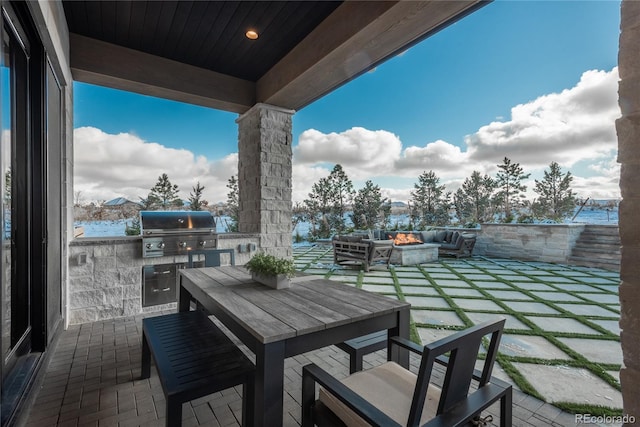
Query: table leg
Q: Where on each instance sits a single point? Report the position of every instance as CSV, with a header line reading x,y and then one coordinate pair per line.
x,y
269,385
184,298
395,353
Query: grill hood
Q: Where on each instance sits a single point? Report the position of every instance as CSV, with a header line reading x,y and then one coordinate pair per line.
x,y
171,222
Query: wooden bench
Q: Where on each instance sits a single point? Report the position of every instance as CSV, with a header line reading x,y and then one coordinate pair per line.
x,y
194,358
360,346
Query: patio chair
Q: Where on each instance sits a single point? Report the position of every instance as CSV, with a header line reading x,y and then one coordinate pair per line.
x,y
390,395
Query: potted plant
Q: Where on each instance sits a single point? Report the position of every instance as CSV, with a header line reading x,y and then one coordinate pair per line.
x,y
271,270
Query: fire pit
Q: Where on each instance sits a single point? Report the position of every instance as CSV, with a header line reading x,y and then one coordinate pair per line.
x,y
403,239
408,249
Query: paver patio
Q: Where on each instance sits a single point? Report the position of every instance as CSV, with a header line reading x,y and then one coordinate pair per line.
x,y
92,378
561,332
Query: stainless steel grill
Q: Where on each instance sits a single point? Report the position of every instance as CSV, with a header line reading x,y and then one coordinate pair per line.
x,y
168,233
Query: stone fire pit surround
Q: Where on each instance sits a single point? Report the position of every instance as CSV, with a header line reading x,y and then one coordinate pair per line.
x,y
414,254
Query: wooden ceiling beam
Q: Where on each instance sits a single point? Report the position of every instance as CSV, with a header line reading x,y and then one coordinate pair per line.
x,y
105,64
355,38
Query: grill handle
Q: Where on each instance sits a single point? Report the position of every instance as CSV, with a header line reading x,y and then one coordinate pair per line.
x,y
162,272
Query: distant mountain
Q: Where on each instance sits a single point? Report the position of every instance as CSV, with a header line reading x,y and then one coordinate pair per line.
x,y
120,201
398,204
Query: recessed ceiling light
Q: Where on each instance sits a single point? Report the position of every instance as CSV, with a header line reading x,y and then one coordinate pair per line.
x,y
251,34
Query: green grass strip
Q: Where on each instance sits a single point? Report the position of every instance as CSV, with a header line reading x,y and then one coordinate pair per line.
x,y
579,361
413,330
596,410
509,268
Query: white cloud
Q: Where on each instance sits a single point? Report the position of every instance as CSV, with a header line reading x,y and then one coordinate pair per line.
x,y
304,177
604,184
395,194
108,166
443,158
364,152
577,124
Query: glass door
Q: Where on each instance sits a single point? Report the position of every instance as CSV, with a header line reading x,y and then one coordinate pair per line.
x,y
14,197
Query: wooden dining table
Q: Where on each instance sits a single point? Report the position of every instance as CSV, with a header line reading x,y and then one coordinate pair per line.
x,y
279,323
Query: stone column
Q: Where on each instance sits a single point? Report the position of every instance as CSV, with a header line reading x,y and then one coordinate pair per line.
x,y
628,128
264,176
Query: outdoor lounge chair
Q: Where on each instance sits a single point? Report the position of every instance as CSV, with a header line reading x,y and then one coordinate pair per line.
x,y
361,250
390,395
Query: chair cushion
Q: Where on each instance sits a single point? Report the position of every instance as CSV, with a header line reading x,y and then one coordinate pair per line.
x,y
440,236
389,387
428,236
350,239
447,246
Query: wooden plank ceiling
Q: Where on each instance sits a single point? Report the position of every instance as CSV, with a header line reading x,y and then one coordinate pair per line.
x,y
205,34
197,51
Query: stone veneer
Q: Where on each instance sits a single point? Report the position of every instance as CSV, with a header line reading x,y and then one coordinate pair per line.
x,y
414,254
105,275
628,128
264,177
540,242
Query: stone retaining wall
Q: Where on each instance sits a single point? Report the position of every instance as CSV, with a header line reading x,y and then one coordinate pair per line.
x,y
531,242
534,242
105,274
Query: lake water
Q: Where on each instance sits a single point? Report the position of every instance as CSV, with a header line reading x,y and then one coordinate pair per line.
x,y
117,227
589,215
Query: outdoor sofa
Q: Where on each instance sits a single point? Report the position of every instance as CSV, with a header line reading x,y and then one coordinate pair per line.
x,y
455,243
452,242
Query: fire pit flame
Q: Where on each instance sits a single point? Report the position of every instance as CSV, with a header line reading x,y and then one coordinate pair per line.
x,y
406,239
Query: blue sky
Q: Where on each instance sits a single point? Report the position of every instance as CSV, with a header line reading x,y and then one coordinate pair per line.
x,y
445,98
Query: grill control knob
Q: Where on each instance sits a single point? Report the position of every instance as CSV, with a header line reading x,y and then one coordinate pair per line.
x,y
161,245
202,243
182,244
149,245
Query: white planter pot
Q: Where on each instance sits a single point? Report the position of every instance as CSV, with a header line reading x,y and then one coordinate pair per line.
x,y
279,281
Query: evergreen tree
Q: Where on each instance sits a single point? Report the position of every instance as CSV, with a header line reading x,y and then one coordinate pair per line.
x,y
370,209
319,205
132,229
299,213
473,200
328,203
146,204
164,195
510,187
195,198
556,200
341,190
430,201
233,203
